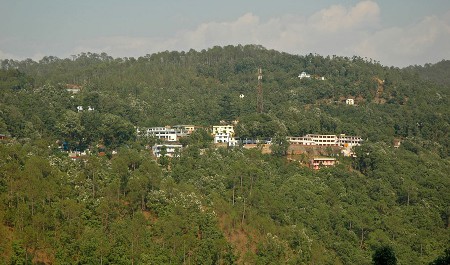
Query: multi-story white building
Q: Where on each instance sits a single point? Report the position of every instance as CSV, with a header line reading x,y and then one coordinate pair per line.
x,y
349,141
167,133
164,133
222,138
171,149
326,140
323,139
229,129
225,138
302,140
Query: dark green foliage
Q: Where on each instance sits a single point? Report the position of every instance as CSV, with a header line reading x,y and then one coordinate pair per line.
x,y
200,138
384,256
14,79
279,145
227,109
433,72
443,259
221,206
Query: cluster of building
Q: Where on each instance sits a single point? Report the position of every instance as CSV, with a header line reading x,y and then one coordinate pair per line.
x,y
225,135
169,135
344,142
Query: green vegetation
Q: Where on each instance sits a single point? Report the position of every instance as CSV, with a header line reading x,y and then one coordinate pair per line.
x,y
221,206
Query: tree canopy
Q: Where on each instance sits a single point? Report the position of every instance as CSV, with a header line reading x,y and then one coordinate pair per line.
x,y
213,205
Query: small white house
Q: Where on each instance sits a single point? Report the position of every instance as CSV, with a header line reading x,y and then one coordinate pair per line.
x,y
304,75
350,101
171,149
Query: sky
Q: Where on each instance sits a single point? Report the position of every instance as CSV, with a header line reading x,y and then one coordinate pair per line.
x,y
394,32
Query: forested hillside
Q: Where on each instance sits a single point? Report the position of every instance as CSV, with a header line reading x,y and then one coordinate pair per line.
x,y
217,205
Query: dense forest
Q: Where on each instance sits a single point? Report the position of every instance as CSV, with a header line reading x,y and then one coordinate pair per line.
x,y
214,205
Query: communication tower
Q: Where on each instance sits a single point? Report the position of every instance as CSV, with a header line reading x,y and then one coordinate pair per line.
x,y
259,95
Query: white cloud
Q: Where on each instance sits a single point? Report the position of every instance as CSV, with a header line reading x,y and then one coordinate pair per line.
x,y
426,41
336,18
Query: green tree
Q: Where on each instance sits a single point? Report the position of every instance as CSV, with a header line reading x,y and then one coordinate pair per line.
x,y
71,128
279,145
444,259
116,130
227,109
384,255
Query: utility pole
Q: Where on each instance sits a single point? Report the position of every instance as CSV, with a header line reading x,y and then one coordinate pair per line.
x,y
259,95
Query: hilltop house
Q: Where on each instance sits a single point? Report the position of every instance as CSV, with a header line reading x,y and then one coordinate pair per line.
x,y
304,75
74,89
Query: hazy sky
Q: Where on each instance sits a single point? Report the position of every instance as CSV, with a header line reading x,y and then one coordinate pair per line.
x,y
394,32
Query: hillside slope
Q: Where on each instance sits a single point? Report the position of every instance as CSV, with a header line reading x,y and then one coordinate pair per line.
x,y
217,205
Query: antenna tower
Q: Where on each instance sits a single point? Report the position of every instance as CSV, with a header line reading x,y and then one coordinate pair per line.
x,y
259,95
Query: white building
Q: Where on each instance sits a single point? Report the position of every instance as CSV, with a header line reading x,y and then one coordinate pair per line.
x,y
184,130
349,141
163,133
304,75
350,101
171,149
222,138
302,140
324,139
225,138
228,129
